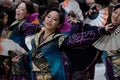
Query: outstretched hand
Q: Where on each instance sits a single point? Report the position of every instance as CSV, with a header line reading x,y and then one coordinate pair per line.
x,y
109,27
16,58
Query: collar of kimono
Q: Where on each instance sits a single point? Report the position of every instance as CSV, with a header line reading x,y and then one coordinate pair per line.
x,y
48,39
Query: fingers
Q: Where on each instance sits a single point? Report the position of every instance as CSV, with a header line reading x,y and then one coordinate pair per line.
x,y
16,58
109,27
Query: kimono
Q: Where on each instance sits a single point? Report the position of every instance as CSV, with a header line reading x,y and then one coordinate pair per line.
x,y
5,58
82,58
47,54
48,58
110,44
18,30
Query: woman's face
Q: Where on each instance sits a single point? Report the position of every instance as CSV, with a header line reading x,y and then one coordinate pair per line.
x,y
115,18
5,19
90,2
21,11
52,20
114,1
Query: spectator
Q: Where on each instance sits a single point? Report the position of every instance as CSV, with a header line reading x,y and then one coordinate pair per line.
x,y
3,21
71,5
98,16
6,45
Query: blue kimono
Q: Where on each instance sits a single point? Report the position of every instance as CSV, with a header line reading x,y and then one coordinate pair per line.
x,y
20,29
17,32
47,53
50,49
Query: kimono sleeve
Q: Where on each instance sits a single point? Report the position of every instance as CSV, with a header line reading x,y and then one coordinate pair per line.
x,y
30,28
16,47
82,40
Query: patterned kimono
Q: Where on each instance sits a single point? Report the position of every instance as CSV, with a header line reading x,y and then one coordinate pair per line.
x,y
18,31
47,54
6,46
110,44
82,56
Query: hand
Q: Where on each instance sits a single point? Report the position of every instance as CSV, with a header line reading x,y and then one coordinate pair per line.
x,y
16,58
91,12
109,27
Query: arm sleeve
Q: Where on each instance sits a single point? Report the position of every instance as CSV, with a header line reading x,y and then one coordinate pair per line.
x,y
30,28
17,48
82,40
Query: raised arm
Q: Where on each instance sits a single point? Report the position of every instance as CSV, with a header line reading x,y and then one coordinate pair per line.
x,y
30,28
83,40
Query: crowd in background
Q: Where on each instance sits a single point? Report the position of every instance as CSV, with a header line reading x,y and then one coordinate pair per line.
x,y
59,39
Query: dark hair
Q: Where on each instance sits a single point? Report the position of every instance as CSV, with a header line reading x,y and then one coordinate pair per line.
x,y
53,4
61,15
2,15
29,6
42,10
116,6
103,3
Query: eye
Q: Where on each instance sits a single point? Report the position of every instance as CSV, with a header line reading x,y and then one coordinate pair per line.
x,y
55,19
21,8
48,16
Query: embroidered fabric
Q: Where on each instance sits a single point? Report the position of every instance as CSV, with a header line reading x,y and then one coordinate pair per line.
x,y
116,64
40,63
41,67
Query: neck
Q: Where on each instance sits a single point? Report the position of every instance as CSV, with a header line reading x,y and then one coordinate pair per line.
x,y
47,33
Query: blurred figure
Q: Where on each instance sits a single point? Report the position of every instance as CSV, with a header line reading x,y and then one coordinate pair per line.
x,y
110,44
98,15
5,46
90,2
26,23
3,21
42,13
5,6
36,7
71,5
53,3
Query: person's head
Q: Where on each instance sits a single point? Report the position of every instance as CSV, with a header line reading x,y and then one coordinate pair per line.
x,y
36,7
24,9
90,2
54,19
42,11
3,17
114,1
53,3
6,3
115,18
3,20
102,4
